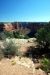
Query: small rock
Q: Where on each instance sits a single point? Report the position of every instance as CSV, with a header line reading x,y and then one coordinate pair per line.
x,y
48,73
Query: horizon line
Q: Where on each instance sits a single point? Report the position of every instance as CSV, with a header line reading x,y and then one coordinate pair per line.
x,y
22,21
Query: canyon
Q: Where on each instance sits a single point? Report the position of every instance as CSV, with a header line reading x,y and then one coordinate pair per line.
x,y
29,28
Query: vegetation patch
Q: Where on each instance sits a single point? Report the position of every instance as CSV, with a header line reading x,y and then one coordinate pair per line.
x,y
46,65
13,62
10,49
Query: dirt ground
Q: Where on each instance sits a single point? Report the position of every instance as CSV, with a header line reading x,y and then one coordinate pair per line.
x,y
24,44
7,68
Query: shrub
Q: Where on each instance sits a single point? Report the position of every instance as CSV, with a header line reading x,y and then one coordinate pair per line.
x,y
46,64
9,34
17,34
43,37
26,37
2,36
12,34
10,49
6,34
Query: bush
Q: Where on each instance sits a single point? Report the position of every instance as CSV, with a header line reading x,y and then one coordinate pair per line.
x,y
43,37
10,49
26,37
2,36
17,34
6,34
9,34
12,34
46,64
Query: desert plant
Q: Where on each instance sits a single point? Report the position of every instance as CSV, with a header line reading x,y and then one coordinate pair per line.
x,y
2,36
45,64
26,37
6,34
9,34
43,37
10,49
17,34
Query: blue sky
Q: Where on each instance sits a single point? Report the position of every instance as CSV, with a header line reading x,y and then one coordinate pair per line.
x,y
24,10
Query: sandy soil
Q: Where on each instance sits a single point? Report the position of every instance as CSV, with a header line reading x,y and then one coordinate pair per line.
x,y
24,44
7,68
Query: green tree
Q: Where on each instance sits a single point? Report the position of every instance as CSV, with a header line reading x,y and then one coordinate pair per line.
x,y
43,37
